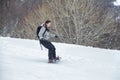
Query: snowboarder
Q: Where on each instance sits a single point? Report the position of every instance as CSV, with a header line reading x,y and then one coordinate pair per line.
x,y
44,34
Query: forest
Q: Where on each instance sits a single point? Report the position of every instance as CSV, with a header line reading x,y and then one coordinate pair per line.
x,y
84,22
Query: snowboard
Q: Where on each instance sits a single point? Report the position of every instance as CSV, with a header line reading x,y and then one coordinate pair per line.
x,y
57,60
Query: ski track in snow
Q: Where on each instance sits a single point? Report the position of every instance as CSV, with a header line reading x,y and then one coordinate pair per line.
x,y
22,59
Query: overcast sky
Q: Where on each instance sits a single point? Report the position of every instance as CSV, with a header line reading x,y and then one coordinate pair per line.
x,y
117,2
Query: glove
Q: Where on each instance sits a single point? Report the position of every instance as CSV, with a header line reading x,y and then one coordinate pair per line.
x,y
56,36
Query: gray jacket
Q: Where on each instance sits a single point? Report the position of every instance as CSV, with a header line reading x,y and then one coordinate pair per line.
x,y
45,34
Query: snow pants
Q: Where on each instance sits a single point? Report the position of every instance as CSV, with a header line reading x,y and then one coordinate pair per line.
x,y
51,48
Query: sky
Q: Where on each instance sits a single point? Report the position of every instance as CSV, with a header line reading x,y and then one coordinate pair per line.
x,y
117,2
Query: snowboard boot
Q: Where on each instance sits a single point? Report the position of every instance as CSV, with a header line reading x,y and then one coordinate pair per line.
x,y
50,61
57,58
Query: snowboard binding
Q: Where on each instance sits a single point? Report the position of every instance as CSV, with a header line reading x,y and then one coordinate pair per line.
x,y
57,59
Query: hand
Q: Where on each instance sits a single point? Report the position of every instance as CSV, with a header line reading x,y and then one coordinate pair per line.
x,y
56,36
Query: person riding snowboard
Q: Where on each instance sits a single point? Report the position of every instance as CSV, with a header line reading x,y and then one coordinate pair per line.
x,y
44,35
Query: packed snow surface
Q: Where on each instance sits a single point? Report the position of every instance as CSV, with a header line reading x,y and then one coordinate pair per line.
x,y
23,59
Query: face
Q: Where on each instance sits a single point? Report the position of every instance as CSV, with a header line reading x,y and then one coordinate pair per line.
x,y
48,25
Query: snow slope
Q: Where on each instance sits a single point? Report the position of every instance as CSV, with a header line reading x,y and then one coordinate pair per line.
x,y
22,59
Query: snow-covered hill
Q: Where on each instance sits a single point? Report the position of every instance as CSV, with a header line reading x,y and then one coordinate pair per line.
x,y
24,60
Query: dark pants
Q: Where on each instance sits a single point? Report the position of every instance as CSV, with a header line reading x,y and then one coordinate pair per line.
x,y
51,48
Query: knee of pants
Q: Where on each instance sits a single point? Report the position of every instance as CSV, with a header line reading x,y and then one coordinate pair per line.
x,y
52,48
